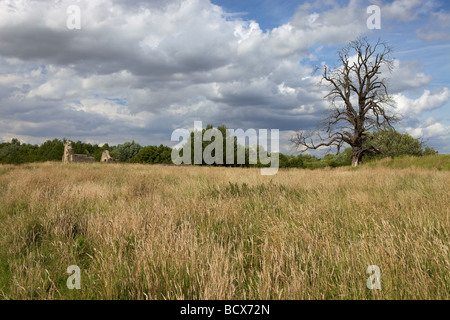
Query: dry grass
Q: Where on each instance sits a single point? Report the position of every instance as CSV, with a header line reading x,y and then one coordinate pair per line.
x,y
150,232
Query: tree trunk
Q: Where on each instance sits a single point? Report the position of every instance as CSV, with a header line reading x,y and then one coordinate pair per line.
x,y
356,157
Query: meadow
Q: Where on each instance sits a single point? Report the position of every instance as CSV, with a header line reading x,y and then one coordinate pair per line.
x,y
155,232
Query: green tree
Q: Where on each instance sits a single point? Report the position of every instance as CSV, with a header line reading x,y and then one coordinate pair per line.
x,y
227,139
51,150
127,151
8,150
429,151
290,161
393,143
154,155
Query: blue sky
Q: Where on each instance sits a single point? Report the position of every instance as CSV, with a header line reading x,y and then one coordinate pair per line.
x,y
139,70
268,13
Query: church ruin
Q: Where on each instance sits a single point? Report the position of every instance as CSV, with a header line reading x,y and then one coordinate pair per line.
x,y
106,157
69,155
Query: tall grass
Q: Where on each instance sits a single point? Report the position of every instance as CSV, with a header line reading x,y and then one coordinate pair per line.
x,y
440,162
151,232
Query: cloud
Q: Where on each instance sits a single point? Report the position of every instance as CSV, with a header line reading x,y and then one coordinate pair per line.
x,y
430,100
433,132
405,10
430,130
139,69
437,29
434,20
335,25
407,75
179,58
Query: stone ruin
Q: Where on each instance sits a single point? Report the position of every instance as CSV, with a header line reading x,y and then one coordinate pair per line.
x,y
69,155
106,157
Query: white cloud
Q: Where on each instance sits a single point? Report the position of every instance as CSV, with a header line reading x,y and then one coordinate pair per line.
x,y
404,10
433,132
407,75
430,100
437,29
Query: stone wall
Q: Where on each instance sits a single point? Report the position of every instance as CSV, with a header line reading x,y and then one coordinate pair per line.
x,y
106,157
69,156
82,158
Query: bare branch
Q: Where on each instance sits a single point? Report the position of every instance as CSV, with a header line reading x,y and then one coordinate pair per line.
x,y
357,80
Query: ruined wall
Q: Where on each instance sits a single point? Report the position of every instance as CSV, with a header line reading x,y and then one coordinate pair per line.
x,y
106,157
82,158
69,156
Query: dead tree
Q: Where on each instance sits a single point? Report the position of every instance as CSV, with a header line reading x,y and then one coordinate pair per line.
x,y
359,98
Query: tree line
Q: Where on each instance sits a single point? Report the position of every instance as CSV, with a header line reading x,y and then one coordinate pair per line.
x,y
390,142
15,152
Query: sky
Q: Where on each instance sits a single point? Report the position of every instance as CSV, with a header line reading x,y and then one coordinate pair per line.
x,y
138,70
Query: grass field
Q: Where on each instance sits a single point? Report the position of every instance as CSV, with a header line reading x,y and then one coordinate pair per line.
x,y
151,232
